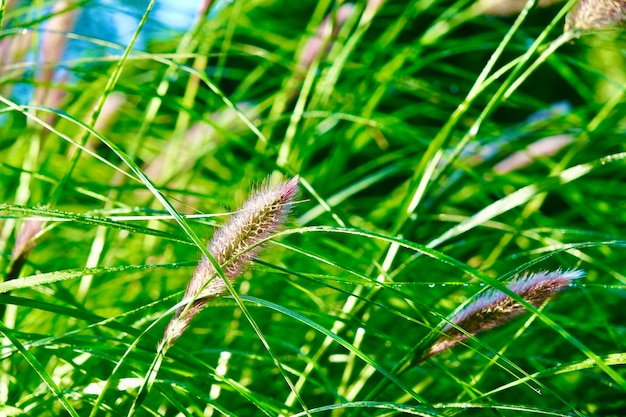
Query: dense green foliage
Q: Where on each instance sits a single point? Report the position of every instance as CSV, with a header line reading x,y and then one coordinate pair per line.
x,y
405,127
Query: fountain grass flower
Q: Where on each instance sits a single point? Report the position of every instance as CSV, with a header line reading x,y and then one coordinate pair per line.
x,y
233,246
495,308
596,14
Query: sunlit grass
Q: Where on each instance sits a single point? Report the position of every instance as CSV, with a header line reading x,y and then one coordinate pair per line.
x,y
442,149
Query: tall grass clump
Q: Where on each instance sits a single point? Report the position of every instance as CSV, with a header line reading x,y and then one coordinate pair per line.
x,y
411,208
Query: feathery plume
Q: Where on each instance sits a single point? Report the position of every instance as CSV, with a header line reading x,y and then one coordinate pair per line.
x,y
314,45
595,14
542,148
233,246
496,308
507,7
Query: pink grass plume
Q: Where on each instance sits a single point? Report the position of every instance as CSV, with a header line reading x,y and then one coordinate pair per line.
x,y
233,246
495,308
589,15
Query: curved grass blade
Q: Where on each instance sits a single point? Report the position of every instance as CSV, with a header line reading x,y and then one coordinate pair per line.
x,y
39,369
339,340
56,276
47,214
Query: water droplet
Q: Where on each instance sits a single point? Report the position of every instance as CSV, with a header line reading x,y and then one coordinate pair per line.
x,y
431,285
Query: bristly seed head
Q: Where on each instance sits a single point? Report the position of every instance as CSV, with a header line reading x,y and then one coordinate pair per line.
x,y
595,14
233,246
496,308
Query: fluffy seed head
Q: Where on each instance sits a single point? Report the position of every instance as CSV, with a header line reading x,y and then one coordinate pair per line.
x,y
595,14
496,308
233,246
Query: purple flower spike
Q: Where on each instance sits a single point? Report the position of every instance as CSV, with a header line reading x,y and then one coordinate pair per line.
x,y
233,246
496,308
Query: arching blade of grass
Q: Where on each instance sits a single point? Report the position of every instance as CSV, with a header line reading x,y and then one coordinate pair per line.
x,y
336,339
523,195
57,276
94,320
615,359
40,370
374,405
53,215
